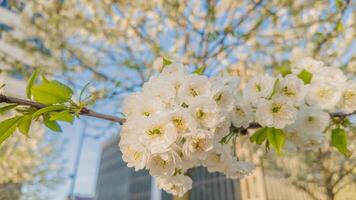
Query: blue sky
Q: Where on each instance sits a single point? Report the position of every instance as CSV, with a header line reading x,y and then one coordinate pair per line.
x,y
89,162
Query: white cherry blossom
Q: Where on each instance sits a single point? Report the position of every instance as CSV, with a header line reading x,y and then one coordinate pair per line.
x,y
259,87
177,185
292,89
324,95
198,143
331,75
275,113
348,97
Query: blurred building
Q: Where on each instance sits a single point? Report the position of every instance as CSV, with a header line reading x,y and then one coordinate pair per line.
x,y
213,186
82,198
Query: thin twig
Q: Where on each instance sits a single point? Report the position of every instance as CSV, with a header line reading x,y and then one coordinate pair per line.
x,y
84,111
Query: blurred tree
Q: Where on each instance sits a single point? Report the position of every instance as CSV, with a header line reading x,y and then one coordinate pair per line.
x,y
116,41
321,175
27,167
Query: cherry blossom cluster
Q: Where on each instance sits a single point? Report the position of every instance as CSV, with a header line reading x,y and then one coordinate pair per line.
x,y
176,123
298,103
182,120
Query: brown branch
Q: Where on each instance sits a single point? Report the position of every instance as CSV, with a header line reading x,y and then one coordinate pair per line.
x,y
84,111
87,112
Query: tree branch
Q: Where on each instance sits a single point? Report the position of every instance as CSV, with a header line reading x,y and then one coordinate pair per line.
x,y
84,111
88,112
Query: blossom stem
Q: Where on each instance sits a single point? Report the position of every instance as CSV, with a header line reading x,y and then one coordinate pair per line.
x,y
84,111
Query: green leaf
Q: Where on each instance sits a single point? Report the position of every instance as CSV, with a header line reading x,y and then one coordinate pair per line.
x,y
83,90
65,116
7,128
276,138
284,70
53,125
339,140
6,108
259,136
48,109
44,79
166,61
275,88
305,76
31,82
25,124
199,71
51,92
340,27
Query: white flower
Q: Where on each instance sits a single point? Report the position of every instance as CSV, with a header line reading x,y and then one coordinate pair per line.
x,y
222,130
175,69
311,119
241,114
136,158
197,144
309,126
309,64
259,87
293,89
175,74
331,75
213,161
348,97
183,120
275,113
223,97
177,185
141,105
194,87
206,112
323,94
163,163
159,88
158,133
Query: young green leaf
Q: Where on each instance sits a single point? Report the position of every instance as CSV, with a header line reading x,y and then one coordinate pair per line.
x,y
6,108
339,140
7,128
199,71
65,116
53,125
31,82
49,109
52,92
166,62
259,136
284,70
276,138
275,88
305,76
25,124
44,79
83,90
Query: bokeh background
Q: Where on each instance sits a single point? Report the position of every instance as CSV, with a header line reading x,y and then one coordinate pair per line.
x,y
114,45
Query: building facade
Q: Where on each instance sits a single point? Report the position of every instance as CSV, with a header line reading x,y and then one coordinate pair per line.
x,y
118,182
